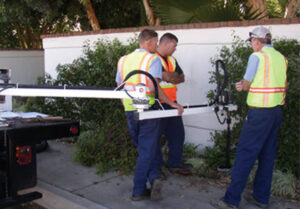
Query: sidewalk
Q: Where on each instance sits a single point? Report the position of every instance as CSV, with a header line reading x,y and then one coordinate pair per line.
x,y
67,185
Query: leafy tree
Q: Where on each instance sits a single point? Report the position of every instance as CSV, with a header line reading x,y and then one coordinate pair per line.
x,y
7,37
27,20
119,14
114,13
23,22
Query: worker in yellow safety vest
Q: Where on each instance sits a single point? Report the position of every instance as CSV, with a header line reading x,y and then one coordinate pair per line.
x,y
144,133
265,80
171,127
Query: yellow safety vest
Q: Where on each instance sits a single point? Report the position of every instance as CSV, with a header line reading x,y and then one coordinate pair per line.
x,y
170,89
268,88
137,60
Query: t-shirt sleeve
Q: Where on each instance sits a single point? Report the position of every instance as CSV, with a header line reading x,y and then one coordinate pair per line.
x,y
178,69
155,68
118,78
252,66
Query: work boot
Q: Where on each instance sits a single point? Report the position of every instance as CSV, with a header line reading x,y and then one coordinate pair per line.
x,y
250,199
145,195
156,186
183,168
162,175
221,204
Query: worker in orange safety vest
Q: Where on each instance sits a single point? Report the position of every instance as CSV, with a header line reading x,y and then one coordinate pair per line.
x,y
171,127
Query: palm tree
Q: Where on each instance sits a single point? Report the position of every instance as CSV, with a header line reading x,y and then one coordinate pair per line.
x,y
292,8
191,11
91,15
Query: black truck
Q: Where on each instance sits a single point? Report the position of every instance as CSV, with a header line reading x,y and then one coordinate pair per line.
x,y
18,139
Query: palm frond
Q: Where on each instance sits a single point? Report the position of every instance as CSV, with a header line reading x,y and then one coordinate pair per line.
x,y
190,11
178,12
225,11
252,15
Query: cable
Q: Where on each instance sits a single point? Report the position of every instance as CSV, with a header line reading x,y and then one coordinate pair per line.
x,y
221,96
220,91
156,104
218,117
160,105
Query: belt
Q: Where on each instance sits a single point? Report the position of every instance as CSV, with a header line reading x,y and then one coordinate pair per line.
x,y
252,107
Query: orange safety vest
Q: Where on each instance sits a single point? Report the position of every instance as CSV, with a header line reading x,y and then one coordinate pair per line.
x,y
170,89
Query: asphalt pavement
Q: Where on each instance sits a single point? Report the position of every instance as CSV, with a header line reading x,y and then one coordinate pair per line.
x,y
66,184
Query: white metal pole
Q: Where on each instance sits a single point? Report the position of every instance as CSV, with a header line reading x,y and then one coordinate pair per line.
x,y
78,93
173,112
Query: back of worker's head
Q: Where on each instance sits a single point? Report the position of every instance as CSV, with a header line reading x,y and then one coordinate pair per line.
x,y
147,34
168,37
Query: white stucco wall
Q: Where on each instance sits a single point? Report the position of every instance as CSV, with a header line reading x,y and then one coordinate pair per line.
x,y
195,49
26,65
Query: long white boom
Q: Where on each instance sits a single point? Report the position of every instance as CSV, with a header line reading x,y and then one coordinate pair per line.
x,y
187,111
78,93
139,95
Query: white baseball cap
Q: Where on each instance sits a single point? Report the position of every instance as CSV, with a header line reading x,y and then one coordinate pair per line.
x,y
259,32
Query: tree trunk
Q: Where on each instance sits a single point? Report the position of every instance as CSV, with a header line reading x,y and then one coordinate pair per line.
x,y
260,6
91,15
20,35
291,8
152,20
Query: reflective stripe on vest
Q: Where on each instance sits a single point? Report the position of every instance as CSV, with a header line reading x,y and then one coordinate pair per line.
x,y
170,89
138,60
268,87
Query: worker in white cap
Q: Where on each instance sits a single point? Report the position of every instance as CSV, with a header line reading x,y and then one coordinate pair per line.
x,y
265,81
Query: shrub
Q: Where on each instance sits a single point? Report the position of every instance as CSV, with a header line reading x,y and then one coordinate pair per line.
x,y
284,183
104,139
108,147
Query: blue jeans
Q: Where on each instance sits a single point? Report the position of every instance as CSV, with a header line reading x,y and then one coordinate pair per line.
x,y
173,129
258,140
144,135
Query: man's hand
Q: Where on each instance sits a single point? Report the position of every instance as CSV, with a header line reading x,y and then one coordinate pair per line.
x,y
178,107
243,85
162,96
173,77
239,86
